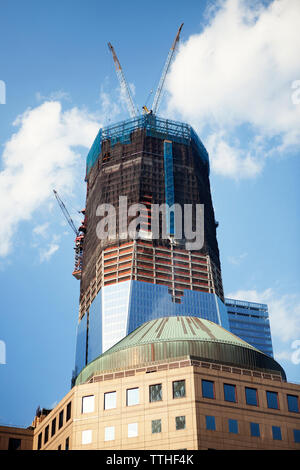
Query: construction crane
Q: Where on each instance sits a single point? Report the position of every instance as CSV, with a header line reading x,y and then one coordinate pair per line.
x,y
66,213
79,236
158,94
123,83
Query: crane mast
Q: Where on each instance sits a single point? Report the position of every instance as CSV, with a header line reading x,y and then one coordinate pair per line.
x,y
158,94
123,83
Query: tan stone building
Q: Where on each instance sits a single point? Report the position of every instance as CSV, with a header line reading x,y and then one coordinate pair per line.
x,y
15,438
176,383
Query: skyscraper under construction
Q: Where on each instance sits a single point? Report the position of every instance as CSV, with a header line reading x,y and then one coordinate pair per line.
x,y
125,280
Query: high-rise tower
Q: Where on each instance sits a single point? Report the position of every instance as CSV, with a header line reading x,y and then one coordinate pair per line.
x,y
125,280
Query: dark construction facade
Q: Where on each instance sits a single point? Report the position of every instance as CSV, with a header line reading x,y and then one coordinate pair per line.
x,y
124,281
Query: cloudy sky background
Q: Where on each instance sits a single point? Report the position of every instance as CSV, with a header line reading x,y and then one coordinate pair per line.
x,y
235,79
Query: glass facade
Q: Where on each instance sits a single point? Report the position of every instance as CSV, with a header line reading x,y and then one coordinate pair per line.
x,y
120,308
250,321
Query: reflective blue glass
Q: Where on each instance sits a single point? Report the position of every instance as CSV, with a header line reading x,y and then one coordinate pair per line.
x,y
208,389
233,426
229,393
297,435
254,430
210,423
80,356
95,328
272,400
276,432
293,403
251,396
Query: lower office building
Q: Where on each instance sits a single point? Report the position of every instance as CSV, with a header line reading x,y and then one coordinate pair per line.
x,y
250,321
174,383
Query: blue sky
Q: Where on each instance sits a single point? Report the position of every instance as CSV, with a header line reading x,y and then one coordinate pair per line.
x,y
232,79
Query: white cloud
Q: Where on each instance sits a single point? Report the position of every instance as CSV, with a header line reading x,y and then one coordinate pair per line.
x,y
41,230
239,71
45,254
237,259
40,156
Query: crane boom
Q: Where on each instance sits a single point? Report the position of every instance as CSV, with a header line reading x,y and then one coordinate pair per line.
x,y
158,94
66,213
123,83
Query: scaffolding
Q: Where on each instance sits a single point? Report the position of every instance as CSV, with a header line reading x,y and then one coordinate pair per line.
x,y
154,126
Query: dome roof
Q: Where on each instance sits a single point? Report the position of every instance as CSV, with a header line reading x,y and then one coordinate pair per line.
x,y
171,338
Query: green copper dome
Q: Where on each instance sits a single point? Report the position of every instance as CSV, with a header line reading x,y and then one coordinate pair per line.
x,y
171,338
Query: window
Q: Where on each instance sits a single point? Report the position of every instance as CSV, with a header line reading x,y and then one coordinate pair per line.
x,y
272,400
179,389
133,430
39,441
68,411
208,389
133,397
210,423
88,404
254,430
53,427
86,436
109,433
233,426
110,400
297,435
180,422
61,419
59,447
46,436
14,443
230,393
67,443
155,392
276,432
156,426
251,396
293,403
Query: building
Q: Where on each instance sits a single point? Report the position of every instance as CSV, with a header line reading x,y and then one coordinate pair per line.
x,y
174,383
250,321
127,280
16,438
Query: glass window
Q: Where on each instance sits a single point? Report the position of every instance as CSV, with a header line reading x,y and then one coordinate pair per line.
x,y
109,433
14,443
293,403
251,396
61,419
86,436
133,396
180,422
39,441
46,436
210,423
229,392
155,392
208,389
254,429
276,432
272,400
297,435
233,426
67,443
179,389
110,400
156,426
68,411
133,430
53,427
88,404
